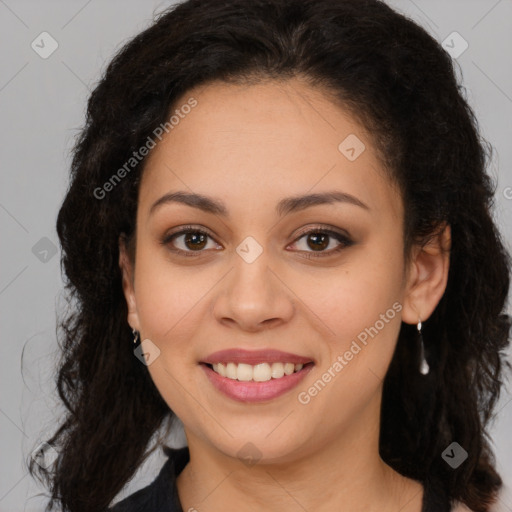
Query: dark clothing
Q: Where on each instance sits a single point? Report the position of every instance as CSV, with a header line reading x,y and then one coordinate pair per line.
x,y
162,494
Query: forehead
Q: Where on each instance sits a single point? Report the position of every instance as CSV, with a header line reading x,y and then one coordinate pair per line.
x,y
249,144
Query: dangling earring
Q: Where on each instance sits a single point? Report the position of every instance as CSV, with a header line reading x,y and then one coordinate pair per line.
x,y
424,367
135,336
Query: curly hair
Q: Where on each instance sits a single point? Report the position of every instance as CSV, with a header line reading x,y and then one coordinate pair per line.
x,y
401,85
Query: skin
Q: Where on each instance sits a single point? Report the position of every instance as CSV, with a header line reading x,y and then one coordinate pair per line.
x,y
251,146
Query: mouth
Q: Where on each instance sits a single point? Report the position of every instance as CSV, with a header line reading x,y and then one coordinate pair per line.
x,y
262,372
255,376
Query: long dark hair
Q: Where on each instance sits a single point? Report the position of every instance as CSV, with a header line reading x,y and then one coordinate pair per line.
x,y
401,85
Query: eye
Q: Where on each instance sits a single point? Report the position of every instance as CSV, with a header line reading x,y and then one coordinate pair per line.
x,y
318,239
193,240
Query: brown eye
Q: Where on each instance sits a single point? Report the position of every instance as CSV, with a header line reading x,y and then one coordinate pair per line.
x,y
318,240
187,241
195,239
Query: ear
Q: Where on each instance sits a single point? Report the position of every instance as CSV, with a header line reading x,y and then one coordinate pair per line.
x,y
427,276
126,265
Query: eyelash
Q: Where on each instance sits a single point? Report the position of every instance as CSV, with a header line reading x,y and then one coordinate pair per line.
x,y
345,241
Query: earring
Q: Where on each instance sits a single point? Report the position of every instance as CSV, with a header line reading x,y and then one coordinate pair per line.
x,y
135,336
424,367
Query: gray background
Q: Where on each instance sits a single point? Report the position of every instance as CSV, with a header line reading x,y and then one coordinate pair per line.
x,y
42,104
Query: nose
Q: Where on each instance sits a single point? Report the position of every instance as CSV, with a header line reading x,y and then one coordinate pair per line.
x,y
253,297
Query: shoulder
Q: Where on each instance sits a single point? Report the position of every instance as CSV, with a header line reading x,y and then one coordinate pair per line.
x,y
145,499
161,495
137,502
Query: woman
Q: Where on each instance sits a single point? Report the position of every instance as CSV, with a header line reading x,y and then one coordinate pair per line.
x,y
278,230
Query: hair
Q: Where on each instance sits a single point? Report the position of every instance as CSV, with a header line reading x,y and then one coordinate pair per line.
x,y
401,85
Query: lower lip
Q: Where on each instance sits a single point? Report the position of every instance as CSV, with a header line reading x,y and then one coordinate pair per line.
x,y
255,391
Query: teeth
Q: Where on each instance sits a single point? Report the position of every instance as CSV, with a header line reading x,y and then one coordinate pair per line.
x,y
231,371
289,368
259,373
244,372
277,370
221,369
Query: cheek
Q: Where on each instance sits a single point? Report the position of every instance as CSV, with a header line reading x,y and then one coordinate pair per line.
x,y
170,308
363,309
352,298
168,297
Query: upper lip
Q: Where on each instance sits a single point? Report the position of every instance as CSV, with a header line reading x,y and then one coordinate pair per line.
x,y
253,357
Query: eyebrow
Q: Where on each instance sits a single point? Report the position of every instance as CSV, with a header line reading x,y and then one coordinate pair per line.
x,y
284,207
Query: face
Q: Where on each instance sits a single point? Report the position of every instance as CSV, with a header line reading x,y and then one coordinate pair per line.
x,y
272,278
